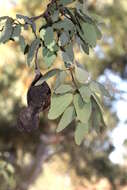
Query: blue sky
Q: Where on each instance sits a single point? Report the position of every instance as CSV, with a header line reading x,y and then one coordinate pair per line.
x,y
119,133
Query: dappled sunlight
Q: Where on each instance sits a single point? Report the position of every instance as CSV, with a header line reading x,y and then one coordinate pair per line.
x,y
44,159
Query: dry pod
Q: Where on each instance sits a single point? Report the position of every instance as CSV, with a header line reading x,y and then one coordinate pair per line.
x,y
28,120
38,99
38,96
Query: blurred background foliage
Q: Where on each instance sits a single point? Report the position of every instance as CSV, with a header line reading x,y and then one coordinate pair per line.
x,y
46,160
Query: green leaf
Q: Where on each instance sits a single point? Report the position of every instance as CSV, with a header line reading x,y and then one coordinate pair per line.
x,y
66,25
82,16
94,87
85,48
55,16
68,54
81,41
47,35
98,88
97,117
80,132
7,31
16,31
25,18
22,43
104,91
83,45
65,2
58,105
67,117
97,18
19,16
27,21
47,75
83,109
49,38
85,92
98,101
64,88
60,78
89,34
63,39
53,46
81,74
48,57
42,33
98,32
34,45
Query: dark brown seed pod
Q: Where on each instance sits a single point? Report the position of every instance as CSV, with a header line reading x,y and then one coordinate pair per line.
x,y
28,119
38,99
38,96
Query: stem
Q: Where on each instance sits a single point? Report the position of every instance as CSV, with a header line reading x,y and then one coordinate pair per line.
x,y
37,17
45,14
72,76
37,70
34,32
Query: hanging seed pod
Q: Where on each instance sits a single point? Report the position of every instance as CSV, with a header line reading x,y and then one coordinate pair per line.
x,y
28,120
38,99
38,96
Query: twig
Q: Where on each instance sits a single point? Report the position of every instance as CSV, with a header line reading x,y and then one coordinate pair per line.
x,y
73,80
37,17
37,70
46,13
